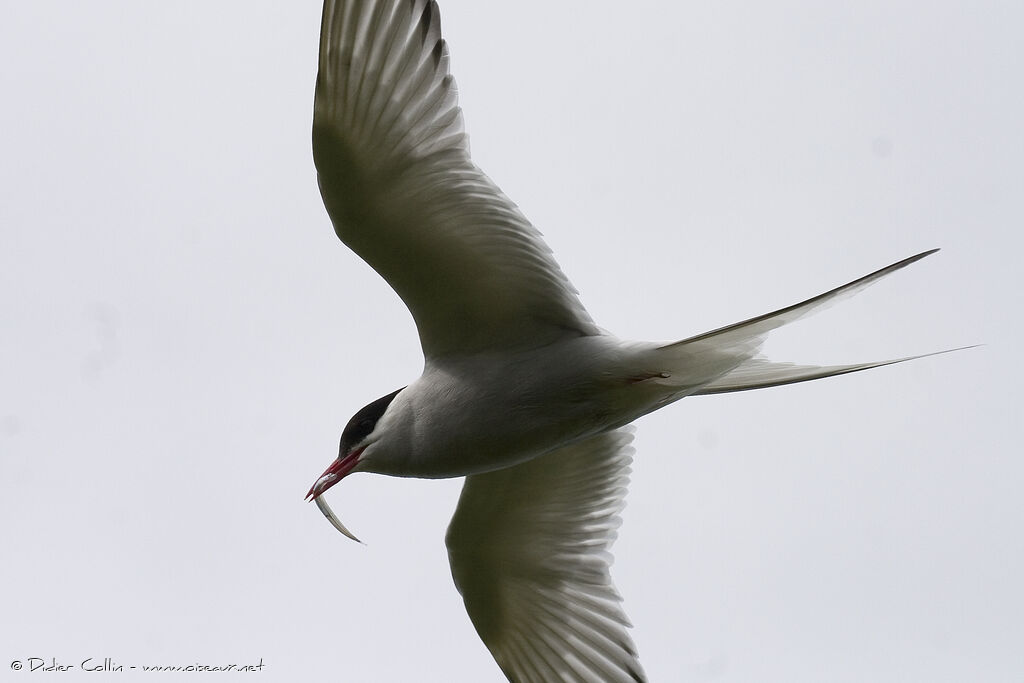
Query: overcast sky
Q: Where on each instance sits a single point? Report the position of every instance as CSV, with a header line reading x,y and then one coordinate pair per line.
x,y
182,337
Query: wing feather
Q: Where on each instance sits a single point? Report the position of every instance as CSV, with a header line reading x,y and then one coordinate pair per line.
x,y
396,177
529,550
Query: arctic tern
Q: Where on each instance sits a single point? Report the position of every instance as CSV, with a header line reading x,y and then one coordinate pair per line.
x,y
521,392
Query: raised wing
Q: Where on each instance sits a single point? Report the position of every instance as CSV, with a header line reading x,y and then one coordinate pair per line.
x,y
396,176
529,551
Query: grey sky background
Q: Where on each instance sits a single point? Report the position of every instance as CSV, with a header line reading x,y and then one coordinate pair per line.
x,y
182,336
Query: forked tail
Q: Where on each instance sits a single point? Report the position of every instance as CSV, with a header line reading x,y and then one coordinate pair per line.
x,y
727,357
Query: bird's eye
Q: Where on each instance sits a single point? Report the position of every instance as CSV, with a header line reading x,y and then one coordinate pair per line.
x,y
357,431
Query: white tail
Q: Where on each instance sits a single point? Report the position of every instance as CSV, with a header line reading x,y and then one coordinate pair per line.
x,y
726,359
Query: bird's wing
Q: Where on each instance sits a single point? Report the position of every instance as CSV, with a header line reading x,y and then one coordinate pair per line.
x,y
529,551
396,176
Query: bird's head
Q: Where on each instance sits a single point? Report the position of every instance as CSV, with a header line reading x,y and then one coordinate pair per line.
x,y
356,438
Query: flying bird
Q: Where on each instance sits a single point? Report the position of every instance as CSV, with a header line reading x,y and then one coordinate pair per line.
x,y
521,392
